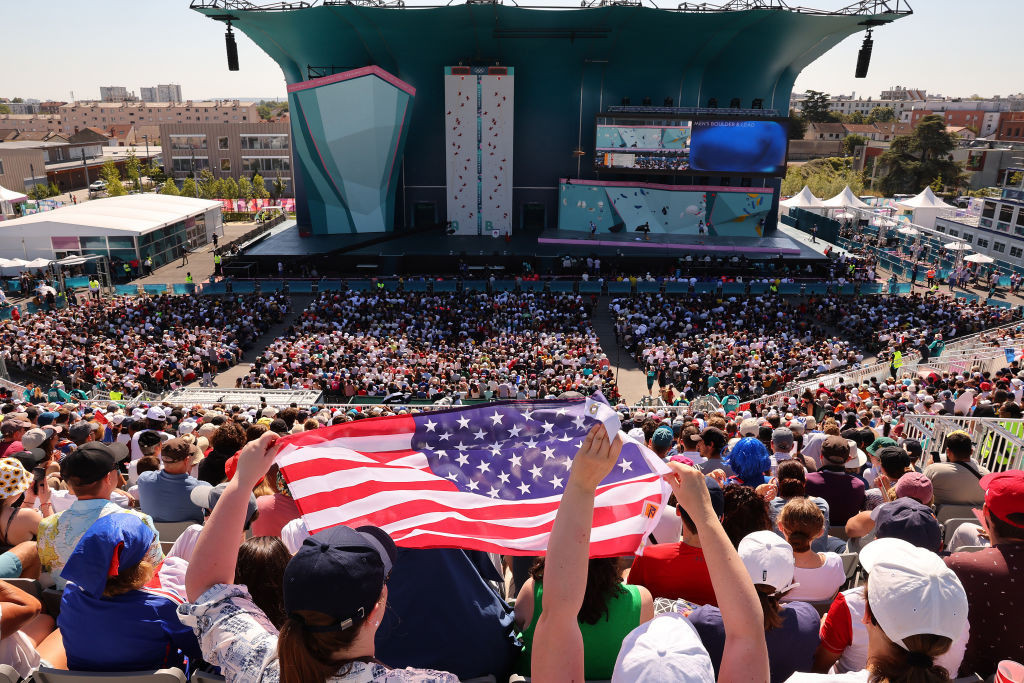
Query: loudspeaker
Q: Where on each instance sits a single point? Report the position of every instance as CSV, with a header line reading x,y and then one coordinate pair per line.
x,y
625,101
647,101
734,103
232,49
864,57
713,103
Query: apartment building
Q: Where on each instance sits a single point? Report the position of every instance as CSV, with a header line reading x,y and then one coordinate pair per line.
x,y
106,114
229,150
170,92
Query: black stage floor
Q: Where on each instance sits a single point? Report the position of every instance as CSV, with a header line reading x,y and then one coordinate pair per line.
x,y
285,241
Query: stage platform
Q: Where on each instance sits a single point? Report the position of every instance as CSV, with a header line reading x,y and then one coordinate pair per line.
x,y
285,241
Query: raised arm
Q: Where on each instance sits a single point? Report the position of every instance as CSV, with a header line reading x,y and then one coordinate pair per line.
x,y
18,608
557,641
216,551
745,657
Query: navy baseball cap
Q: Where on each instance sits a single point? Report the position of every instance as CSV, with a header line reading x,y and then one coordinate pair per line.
x,y
909,520
92,461
356,562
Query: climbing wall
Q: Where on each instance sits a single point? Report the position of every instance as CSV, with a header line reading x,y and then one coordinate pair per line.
x,y
479,107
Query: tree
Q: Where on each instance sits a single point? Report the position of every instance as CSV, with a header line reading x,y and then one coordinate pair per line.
x,y
918,160
37,192
824,177
881,115
797,125
218,189
169,187
856,118
259,188
132,168
852,141
244,188
17,100
816,107
230,189
53,190
4,109
189,187
280,187
206,184
110,174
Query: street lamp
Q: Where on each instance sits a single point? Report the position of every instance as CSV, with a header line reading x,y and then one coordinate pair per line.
x,y
149,162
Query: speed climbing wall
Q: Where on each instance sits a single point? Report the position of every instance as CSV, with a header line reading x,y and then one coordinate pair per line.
x,y
479,107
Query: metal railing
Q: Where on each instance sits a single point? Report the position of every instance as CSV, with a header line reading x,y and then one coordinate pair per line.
x,y
207,396
998,443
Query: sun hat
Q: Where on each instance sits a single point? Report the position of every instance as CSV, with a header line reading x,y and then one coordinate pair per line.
x,y
769,560
667,648
14,478
359,560
749,427
911,591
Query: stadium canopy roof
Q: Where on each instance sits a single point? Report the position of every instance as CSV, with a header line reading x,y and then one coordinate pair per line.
x,y
925,200
137,213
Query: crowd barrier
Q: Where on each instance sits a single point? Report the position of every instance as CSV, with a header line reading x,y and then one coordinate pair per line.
x,y
999,443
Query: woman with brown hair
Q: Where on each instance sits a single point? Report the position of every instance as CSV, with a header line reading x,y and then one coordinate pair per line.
x,y
745,512
819,575
610,610
261,564
915,608
335,593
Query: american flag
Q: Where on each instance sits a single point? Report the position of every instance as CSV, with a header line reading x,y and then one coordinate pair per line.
x,y
487,477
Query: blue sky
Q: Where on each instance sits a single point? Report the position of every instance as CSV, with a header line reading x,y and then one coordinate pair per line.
x,y
948,46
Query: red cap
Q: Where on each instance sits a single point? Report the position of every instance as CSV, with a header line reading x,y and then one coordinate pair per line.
x,y
1004,494
985,386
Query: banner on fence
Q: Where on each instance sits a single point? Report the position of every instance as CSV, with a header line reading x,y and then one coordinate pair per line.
x,y
254,205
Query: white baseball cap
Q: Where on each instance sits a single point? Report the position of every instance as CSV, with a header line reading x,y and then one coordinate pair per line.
x,y
186,427
749,427
769,560
638,434
155,413
666,648
912,592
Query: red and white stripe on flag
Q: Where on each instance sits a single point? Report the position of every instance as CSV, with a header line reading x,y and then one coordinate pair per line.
x,y
366,472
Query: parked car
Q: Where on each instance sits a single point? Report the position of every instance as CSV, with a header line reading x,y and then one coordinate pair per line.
x,y
98,186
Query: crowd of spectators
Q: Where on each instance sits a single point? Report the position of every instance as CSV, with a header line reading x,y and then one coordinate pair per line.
x,y
438,346
130,344
751,346
748,557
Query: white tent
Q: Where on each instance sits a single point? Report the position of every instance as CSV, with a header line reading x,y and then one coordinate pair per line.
x,y
8,198
804,199
843,200
925,207
979,258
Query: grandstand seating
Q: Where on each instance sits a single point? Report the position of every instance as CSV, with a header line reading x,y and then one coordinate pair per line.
x,y
47,675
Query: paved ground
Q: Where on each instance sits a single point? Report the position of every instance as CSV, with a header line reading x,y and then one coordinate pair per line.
x,y
630,378
200,262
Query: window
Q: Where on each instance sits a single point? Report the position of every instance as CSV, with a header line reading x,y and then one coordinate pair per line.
x,y
225,165
968,237
1005,212
989,210
954,233
188,142
998,247
1016,252
264,141
1,167
940,228
982,243
222,142
184,164
263,164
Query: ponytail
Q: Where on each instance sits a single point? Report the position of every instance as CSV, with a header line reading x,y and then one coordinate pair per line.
x,y
915,664
769,606
308,657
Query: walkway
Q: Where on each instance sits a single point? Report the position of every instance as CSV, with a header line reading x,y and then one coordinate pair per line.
x,y
631,379
200,261
228,377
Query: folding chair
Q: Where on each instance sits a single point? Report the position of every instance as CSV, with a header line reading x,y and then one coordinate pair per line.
x,y
944,513
8,674
45,675
169,531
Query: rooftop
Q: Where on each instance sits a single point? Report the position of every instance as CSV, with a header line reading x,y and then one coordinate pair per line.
x,y
134,213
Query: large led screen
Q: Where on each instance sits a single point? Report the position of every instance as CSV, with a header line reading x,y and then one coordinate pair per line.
x,y
739,146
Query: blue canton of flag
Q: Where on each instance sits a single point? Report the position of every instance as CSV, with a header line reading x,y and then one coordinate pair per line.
x,y
516,450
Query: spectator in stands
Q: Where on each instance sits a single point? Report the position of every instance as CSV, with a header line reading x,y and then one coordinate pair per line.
x,y
818,575
784,448
745,511
992,577
679,570
12,430
791,630
165,494
911,485
559,651
843,492
710,443
226,441
107,602
610,610
913,610
19,524
92,476
473,631
150,444
156,420
663,442
750,461
893,462
327,633
791,483
275,510
957,481
260,568
22,631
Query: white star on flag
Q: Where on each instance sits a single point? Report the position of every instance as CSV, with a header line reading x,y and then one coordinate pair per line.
x,y
496,418
430,425
515,430
463,422
556,482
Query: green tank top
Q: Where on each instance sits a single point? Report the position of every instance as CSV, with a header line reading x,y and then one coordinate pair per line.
x,y
601,641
